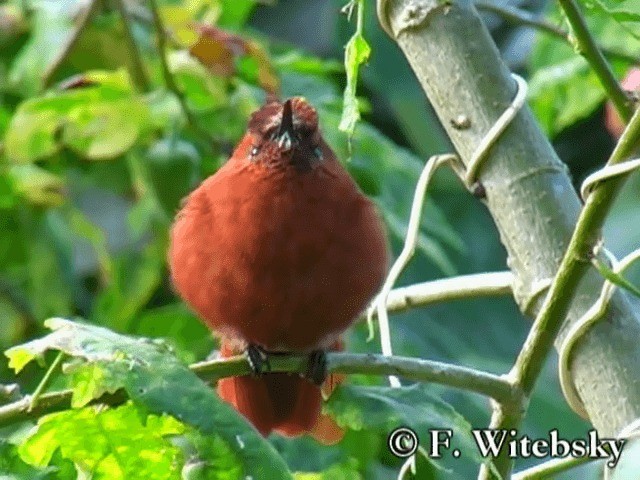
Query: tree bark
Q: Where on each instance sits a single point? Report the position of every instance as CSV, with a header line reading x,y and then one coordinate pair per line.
x,y
529,193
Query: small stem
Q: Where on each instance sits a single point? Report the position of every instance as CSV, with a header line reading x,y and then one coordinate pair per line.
x,y
463,378
33,399
552,467
71,42
169,80
518,16
588,48
137,65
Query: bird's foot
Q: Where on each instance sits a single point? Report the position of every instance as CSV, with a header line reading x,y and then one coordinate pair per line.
x,y
258,359
317,367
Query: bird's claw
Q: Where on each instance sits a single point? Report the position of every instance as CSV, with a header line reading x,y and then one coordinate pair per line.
x,y
317,367
258,359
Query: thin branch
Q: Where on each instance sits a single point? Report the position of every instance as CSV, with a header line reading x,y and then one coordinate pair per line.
x,y
455,288
161,35
137,65
552,467
572,269
494,386
519,16
588,48
44,383
83,23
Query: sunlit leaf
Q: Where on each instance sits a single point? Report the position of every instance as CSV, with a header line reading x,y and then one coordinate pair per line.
x,y
155,379
235,13
37,185
12,467
110,444
100,120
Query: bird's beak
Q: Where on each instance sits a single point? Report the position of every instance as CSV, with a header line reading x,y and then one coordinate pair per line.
x,y
286,136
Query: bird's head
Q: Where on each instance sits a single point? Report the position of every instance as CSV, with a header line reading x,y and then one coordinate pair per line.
x,y
284,134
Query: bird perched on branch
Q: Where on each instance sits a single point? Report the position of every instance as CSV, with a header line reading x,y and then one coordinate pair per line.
x,y
279,251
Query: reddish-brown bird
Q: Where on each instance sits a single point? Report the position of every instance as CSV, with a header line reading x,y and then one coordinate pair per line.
x,y
279,251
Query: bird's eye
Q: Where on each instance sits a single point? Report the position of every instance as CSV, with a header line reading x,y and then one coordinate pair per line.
x,y
318,153
254,151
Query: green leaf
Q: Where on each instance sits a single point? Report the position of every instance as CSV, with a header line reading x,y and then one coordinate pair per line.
x,y
563,88
12,467
235,13
356,53
109,444
155,379
210,459
173,168
92,380
52,23
101,120
384,409
37,185
624,12
202,90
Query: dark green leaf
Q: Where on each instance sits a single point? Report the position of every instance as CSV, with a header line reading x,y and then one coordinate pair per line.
x,y
384,409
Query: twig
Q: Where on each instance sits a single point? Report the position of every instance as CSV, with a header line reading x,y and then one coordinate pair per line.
x,y
166,72
137,65
552,467
572,269
455,288
586,45
519,16
83,22
44,383
494,386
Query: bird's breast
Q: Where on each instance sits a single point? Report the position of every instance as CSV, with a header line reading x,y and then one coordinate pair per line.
x,y
283,260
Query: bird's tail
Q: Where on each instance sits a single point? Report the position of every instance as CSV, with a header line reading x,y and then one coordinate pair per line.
x,y
281,402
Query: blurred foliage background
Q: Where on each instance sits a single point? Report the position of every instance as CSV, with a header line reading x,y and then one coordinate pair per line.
x,y
100,138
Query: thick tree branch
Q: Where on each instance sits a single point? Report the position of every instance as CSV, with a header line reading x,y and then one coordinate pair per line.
x,y
463,378
531,199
